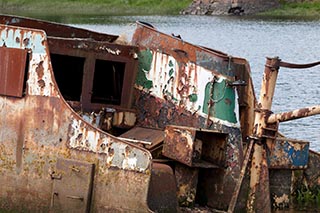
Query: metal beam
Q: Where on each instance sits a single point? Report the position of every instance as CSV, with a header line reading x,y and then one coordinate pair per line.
x,y
295,114
259,194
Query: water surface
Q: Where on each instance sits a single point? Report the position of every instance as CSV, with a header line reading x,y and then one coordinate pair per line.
x,y
253,39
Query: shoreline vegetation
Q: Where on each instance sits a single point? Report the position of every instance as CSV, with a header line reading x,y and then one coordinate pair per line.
x,y
93,7
72,10
297,10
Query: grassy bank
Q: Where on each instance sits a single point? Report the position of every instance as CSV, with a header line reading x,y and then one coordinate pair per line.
x,y
74,9
303,10
93,7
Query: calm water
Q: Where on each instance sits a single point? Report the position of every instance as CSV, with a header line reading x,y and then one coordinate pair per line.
x,y
253,39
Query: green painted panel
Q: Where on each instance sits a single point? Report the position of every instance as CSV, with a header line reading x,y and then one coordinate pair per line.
x,y
224,98
206,98
223,101
145,61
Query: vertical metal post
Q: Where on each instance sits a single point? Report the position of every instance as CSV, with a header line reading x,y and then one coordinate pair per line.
x,y
259,195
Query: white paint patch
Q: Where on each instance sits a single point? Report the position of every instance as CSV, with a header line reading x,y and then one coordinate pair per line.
x,y
119,154
129,163
35,42
171,82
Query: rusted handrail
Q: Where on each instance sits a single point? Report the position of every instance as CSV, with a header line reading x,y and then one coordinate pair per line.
x,y
298,66
295,114
259,194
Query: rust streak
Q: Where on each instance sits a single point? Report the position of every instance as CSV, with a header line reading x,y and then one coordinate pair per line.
x,y
40,70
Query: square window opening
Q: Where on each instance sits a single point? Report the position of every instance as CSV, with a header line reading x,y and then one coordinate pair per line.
x,y
68,72
108,82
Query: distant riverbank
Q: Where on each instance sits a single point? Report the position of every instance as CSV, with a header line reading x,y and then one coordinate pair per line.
x,y
298,9
53,9
94,7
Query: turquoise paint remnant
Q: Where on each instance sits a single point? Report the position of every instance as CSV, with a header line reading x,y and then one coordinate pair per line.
x,y
15,38
222,99
14,21
193,98
145,61
206,98
288,154
171,72
38,40
170,63
225,105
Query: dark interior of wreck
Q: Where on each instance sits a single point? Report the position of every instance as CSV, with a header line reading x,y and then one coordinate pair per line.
x,y
92,81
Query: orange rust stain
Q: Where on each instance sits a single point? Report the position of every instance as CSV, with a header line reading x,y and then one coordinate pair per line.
x,y
40,70
26,41
41,83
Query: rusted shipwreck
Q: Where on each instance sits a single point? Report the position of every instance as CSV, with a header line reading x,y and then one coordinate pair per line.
x,y
88,124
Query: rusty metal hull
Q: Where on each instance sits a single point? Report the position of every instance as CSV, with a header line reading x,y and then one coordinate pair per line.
x,y
39,128
186,85
55,29
90,125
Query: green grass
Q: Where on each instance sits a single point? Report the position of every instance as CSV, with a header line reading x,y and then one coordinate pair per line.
x,y
73,10
93,7
307,9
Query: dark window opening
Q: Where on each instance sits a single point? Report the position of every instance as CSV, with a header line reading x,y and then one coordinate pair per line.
x,y
68,72
213,147
108,82
214,150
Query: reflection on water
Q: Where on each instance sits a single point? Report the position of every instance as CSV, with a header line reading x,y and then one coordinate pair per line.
x,y
253,39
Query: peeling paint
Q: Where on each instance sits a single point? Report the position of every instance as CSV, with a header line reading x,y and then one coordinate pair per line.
x,y
281,201
166,78
288,153
119,154
39,83
111,51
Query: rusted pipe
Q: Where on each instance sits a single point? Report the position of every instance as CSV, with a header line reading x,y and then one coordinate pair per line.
x,y
298,66
259,194
268,83
295,114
